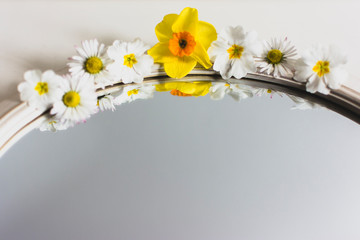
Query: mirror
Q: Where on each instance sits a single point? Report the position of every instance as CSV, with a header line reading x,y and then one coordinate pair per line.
x,y
188,168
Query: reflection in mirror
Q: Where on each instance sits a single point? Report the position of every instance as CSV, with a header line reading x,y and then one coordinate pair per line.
x,y
187,166
236,89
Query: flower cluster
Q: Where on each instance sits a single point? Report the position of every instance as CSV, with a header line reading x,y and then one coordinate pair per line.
x,y
72,98
184,42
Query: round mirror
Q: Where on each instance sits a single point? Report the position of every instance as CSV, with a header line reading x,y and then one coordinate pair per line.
x,y
225,161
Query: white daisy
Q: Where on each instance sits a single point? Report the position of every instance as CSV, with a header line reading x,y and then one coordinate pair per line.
x,y
106,103
131,63
236,91
39,89
53,125
233,51
77,102
322,68
277,58
91,63
132,93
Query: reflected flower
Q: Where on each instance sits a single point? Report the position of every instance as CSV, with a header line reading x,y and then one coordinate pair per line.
x,y
106,103
52,124
134,92
236,91
185,89
302,104
265,91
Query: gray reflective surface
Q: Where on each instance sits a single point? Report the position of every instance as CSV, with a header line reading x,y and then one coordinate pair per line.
x,y
187,168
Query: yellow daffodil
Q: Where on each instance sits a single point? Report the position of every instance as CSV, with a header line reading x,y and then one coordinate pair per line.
x,y
183,42
185,89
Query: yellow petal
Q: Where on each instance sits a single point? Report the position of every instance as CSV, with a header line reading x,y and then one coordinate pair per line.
x,y
187,21
165,87
195,89
161,53
163,30
201,56
179,68
206,34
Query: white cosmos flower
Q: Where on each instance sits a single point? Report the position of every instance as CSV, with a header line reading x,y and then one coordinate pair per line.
x,y
236,91
322,68
91,63
131,63
132,93
106,103
233,51
277,58
39,89
77,102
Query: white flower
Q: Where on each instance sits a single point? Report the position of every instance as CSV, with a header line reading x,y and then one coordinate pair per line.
x,y
233,51
106,103
132,93
131,63
277,58
39,89
322,68
236,91
77,102
91,63
302,104
53,125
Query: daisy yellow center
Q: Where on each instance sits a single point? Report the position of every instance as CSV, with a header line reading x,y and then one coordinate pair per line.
x,y
71,99
321,68
182,44
269,91
41,88
227,85
134,91
130,60
235,51
93,65
274,56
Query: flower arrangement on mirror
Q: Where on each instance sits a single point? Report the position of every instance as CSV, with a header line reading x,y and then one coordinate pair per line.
x,y
184,43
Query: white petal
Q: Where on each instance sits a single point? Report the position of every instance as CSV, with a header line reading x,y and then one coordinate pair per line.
x,y
233,35
336,77
316,84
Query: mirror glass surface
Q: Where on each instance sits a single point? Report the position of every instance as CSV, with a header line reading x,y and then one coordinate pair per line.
x,y
174,167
